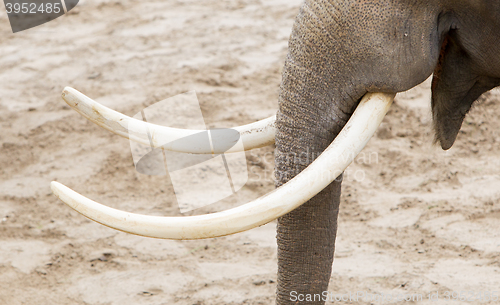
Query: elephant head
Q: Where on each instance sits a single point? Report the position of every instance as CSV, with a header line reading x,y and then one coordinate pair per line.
x,y
339,51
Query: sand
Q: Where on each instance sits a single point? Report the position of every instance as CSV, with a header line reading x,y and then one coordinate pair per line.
x,y
414,219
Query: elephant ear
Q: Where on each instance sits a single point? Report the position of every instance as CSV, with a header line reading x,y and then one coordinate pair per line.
x,y
456,85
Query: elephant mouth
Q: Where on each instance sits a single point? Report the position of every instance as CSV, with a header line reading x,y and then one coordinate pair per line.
x,y
319,174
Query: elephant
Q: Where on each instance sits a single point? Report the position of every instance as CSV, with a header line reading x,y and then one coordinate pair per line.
x,y
339,51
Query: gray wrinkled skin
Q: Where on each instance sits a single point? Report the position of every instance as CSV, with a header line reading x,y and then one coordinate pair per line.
x,y
338,51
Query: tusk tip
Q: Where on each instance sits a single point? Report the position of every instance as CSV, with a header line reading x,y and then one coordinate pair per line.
x,y
68,95
68,89
61,192
65,91
55,187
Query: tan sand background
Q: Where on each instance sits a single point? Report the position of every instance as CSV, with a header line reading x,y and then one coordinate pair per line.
x,y
413,219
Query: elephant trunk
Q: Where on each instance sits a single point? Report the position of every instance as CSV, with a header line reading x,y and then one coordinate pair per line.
x,y
315,102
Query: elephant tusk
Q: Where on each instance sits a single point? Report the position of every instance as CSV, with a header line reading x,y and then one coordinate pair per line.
x,y
328,166
254,135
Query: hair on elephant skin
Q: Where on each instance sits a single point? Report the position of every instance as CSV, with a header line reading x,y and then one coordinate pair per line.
x,y
340,50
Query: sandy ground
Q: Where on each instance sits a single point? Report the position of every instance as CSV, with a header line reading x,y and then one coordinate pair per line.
x,y
414,219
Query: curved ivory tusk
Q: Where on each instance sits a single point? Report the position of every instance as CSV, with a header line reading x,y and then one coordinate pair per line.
x,y
330,164
254,135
